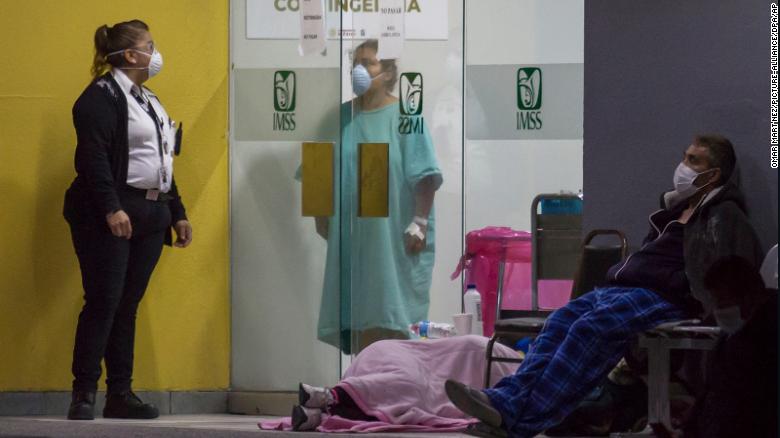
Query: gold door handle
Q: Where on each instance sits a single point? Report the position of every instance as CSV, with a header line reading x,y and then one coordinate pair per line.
x,y
317,179
373,179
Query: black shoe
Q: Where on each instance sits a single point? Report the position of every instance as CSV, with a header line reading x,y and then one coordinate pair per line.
x,y
485,431
473,402
82,406
128,405
303,418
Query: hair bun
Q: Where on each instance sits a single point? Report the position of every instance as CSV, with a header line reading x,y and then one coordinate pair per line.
x,y
102,39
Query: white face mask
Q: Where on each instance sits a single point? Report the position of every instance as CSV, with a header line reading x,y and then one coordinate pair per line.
x,y
729,319
155,63
683,180
361,80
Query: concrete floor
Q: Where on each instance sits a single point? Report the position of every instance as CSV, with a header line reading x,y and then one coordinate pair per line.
x,y
223,425
173,426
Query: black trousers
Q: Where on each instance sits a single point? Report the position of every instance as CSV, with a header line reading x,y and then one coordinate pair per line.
x,y
348,408
115,272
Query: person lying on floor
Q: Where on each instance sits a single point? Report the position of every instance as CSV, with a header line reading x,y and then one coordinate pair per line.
x,y
701,220
397,385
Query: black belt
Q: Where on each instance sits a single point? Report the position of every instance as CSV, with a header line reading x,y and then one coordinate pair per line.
x,y
161,197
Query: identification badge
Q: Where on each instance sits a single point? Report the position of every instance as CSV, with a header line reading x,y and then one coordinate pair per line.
x,y
163,178
152,194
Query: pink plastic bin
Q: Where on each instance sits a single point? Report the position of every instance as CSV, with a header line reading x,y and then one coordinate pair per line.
x,y
485,249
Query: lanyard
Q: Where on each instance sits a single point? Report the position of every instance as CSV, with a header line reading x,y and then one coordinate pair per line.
x,y
158,125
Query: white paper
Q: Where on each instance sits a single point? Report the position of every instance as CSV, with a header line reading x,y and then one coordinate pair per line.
x,y
391,29
346,74
312,23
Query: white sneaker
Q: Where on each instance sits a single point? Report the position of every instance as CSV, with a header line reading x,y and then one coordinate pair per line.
x,y
314,396
304,418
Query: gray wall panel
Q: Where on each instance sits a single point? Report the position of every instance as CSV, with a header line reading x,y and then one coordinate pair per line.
x,y
658,72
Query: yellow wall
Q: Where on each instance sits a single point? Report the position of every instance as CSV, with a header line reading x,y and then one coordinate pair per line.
x,y
183,338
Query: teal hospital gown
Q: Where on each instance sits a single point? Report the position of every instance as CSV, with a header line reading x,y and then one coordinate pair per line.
x,y
370,279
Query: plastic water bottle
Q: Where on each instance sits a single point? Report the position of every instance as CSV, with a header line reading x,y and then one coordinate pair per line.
x,y
432,330
472,302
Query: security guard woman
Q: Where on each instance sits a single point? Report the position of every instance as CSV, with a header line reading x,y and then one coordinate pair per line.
x,y
120,208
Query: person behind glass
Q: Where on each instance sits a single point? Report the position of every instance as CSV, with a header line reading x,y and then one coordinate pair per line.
x,y
120,207
392,257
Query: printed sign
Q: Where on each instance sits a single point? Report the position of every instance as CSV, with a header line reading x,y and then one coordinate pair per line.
x,y
286,104
351,19
312,28
391,31
524,102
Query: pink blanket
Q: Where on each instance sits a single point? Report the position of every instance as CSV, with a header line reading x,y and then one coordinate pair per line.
x,y
402,384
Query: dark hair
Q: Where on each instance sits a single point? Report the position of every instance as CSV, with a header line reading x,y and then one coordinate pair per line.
x,y
111,39
735,274
721,154
388,65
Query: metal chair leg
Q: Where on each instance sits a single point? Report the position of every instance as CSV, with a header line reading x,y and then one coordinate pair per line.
x,y
489,359
658,382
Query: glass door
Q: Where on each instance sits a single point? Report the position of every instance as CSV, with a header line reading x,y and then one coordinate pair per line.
x,y
327,179
401,163
284,169
523,119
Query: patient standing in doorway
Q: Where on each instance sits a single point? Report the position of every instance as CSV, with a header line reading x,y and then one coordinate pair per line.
x,y
391,257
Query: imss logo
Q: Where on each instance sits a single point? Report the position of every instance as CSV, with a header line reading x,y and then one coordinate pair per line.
x,y
529,98
284,100
411,94
411,103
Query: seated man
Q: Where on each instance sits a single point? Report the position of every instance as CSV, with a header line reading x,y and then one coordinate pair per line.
x,y
740,397
701,220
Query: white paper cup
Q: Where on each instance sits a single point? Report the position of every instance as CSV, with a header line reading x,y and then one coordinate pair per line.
x,y
462,323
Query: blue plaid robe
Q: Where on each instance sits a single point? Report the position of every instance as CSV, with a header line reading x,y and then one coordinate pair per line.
x,y
578,346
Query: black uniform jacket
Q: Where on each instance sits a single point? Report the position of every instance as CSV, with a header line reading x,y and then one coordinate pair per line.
x,y
102,154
